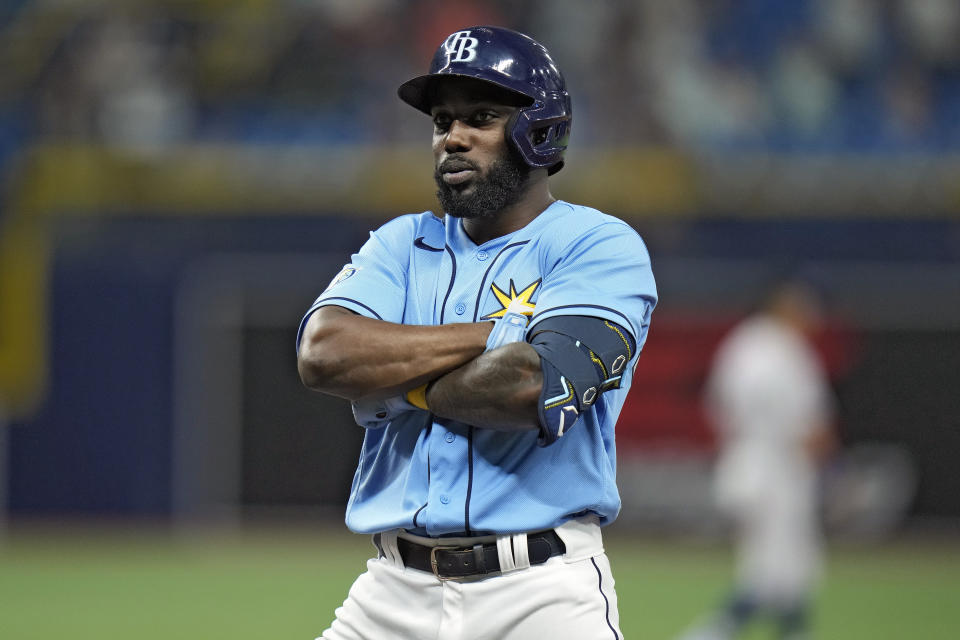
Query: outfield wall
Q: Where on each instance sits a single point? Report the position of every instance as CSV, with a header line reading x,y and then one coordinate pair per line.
x,y
172,387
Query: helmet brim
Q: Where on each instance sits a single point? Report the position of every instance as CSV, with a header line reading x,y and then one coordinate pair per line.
x,y
418,92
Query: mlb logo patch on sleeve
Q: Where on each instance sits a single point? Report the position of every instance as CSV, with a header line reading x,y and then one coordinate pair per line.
x,y
345,273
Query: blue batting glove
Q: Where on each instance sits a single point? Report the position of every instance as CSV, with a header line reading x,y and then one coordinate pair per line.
x,y
512,327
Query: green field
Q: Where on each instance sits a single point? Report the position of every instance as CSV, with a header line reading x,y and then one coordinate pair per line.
x,y
108,584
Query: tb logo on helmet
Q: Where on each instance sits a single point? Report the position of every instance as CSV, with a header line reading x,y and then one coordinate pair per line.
x,y
461,47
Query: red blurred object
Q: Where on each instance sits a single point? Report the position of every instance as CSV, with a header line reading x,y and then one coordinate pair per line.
x,y
664,410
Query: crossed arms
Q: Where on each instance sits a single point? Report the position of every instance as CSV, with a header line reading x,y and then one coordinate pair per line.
x,y
351,356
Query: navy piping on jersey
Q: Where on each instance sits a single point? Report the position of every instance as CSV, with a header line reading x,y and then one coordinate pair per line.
x,y
420,244
483,283
453,277
616,636
466,505
577,306
426,438
415,524
356,302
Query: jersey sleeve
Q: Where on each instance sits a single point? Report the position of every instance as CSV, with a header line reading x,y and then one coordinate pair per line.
x,y
605,273
374,282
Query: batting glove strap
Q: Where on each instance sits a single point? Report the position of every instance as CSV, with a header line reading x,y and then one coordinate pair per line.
x,y
376,413
512,327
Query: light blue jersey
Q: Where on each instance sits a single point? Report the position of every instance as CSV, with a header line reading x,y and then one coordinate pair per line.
x,y
435,476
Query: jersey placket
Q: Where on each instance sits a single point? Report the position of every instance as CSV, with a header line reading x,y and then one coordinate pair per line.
x,y
450,443
449,479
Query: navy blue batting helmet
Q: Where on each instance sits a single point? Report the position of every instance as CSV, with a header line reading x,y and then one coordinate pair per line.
x,y
540,131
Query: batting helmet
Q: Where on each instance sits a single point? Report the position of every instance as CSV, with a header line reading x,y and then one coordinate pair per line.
x,y
518,63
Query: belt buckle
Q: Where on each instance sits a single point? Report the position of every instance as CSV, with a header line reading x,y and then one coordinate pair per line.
x,y
433,560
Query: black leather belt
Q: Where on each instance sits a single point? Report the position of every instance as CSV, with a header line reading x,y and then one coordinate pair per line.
x,y
456,562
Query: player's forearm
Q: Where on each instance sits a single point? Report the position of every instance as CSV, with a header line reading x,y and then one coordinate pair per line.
x,y
351,356
498,390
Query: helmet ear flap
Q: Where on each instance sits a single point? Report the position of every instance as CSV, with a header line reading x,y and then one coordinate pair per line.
x,y
540,140
558,134
522,137
514,128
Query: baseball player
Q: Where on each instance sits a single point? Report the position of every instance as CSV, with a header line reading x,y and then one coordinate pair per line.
x,y
487,354
769,398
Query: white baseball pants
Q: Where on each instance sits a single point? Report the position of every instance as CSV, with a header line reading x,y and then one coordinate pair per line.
x,y
569,596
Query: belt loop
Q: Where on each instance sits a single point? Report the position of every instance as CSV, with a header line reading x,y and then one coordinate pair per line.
x,y
480,562
505,553
521,551
388,542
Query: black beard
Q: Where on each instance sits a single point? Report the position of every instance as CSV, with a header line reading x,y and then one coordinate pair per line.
x,y
504,185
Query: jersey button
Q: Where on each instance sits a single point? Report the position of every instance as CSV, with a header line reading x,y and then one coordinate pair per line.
x,y
460,308
482,255
445,499
450,437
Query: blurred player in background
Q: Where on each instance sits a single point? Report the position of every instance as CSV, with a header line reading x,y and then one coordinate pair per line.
x,y
487,353
769,399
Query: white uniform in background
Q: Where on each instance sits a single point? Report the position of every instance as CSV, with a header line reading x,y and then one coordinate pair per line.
x,y
767,393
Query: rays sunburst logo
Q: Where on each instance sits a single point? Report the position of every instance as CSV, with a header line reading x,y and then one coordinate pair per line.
x,y
517,302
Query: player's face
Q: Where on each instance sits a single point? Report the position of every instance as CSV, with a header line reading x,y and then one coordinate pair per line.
x,y
477,173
